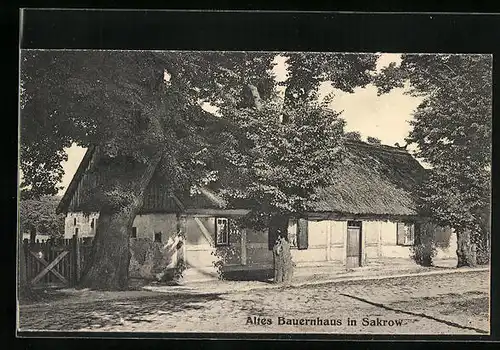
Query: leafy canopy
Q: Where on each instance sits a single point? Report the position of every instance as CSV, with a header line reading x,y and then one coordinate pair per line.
x,y
452,132
40,215
134,104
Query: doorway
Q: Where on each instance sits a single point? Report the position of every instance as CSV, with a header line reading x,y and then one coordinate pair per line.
x,y
353,257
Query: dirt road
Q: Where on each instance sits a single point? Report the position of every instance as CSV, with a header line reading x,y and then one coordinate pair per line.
x,y
440,304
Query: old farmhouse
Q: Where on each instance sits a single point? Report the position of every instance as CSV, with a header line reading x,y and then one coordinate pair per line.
x,y
368,216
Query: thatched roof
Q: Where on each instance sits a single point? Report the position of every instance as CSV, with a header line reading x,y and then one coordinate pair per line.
x,y
371,180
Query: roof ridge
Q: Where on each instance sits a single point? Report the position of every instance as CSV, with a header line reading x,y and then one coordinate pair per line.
x,y
379,147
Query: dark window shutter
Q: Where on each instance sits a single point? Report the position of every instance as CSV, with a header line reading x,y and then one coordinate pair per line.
x,y
400,233
302,234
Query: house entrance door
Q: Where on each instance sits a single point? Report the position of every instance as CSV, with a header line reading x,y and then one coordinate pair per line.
x,y
353,258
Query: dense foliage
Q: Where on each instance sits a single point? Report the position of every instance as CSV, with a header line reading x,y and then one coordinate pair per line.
x,y
452,132
40,215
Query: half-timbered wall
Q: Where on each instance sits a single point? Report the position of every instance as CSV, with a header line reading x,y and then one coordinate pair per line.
x,y
248,249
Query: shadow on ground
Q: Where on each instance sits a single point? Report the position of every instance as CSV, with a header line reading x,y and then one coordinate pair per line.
x,y
108,313
261,275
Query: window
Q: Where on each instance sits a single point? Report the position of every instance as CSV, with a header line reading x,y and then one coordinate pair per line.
x,y
405,233
158,237
221,231
92,224
74,221
134,233
76,231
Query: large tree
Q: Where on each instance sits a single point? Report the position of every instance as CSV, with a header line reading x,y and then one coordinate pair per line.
x,y
452,132
142,111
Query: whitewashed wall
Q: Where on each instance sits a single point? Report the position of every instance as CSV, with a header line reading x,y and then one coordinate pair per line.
x,y
83,222
326,240
388,241
149,224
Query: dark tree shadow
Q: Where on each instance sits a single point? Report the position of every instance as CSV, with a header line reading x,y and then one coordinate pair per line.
x,y
261,275
109,313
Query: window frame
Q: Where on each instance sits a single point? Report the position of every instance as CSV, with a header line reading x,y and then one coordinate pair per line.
x,y
224,243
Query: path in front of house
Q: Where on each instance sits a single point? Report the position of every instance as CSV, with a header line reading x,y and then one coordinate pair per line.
x,y
315,275
447,303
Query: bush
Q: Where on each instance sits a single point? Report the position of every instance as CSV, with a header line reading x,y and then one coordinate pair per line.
x,y
373,140
482,249
353,135
424,249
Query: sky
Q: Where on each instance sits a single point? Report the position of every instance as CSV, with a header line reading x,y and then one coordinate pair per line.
x,y
385,117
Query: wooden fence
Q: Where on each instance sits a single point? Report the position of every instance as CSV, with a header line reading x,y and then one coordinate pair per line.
x,y
56,262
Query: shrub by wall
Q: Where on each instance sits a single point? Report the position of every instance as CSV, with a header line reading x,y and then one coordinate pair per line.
x,y
424,249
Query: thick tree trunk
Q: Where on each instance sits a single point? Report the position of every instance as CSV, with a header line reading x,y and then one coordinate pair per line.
x,y
108,269
110,257
283,265
465,249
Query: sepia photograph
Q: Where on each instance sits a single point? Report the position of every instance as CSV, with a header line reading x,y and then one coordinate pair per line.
x,y
283,192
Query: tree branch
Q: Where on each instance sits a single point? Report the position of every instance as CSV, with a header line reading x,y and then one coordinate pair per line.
x,y
256,96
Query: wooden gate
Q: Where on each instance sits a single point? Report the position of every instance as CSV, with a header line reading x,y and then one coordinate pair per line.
x,y
56,263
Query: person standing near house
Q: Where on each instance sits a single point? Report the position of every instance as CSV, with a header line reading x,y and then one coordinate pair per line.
x,y
283,269
278,260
